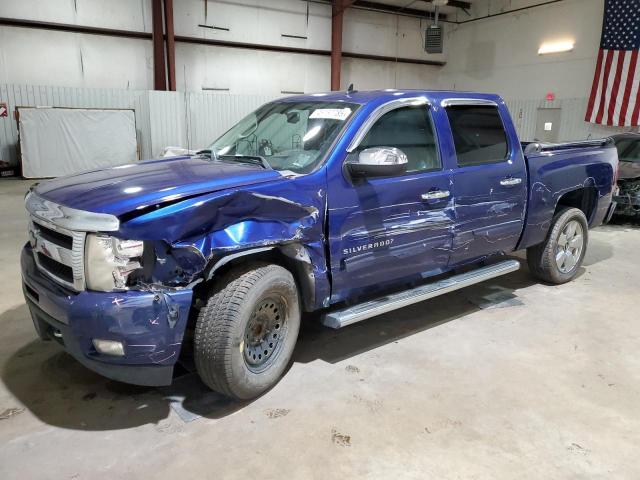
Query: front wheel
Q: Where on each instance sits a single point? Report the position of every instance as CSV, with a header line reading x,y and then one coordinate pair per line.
x,y
246,333
559,257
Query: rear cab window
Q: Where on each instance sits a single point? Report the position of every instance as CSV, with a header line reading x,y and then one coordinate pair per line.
x,y
629,149
478,134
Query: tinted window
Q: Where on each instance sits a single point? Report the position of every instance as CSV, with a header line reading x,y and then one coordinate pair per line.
x,y
478,134
629,149
410,129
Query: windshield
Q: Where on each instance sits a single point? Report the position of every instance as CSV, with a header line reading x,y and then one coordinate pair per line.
x,y
287,135
629,150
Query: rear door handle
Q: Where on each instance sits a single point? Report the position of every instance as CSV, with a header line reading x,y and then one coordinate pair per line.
x,y
510,181
435,195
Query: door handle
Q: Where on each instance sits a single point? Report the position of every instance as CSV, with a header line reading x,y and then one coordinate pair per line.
x,y
435,195
509,182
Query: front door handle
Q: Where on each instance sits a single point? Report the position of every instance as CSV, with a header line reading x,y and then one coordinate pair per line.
x,y
510,181
435,195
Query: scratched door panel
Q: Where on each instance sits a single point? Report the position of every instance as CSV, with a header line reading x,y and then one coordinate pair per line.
x,y
386,231
489,180
489,215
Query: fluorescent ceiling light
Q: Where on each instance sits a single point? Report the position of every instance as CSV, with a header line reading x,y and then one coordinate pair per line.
x,y
555,47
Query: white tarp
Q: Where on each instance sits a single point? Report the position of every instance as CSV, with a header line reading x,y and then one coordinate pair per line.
x,y
63,141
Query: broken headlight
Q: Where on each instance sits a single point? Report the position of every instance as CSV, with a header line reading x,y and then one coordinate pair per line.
x,y
109,261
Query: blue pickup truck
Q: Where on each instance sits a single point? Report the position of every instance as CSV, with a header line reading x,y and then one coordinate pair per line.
x,y
350,204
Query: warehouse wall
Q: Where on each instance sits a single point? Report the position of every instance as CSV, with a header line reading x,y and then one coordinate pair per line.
x,y
500,54
496,54
40,57
191,119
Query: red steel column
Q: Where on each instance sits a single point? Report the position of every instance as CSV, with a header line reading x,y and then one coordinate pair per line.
x,y
171,44
159,69
337,15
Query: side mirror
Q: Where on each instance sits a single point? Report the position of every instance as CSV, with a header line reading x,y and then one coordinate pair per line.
x,y
378,162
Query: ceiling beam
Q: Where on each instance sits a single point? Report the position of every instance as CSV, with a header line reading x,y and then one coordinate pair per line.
x,y
459,4
381,7
340,6
110,32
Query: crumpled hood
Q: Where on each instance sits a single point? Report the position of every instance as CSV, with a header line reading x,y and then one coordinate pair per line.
x,y
122,189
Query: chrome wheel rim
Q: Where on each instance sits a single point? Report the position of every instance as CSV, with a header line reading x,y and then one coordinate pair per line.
x,y
265,333
569,248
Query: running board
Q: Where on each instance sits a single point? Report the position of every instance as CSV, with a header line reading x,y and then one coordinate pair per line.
x,y
362,311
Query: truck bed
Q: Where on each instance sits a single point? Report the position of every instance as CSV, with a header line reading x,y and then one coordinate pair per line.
x,y
556,172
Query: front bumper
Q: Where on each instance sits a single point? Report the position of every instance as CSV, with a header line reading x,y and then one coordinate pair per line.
x,y
150,324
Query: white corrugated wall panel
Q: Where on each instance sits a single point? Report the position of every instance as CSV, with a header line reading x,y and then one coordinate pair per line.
x,y
33,96
194,120
212,114
163,119
168,121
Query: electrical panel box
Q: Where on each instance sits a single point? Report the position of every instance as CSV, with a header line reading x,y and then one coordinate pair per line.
x,y
433,41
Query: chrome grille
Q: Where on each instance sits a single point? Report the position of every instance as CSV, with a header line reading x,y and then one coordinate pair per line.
x,y
59,253
57,234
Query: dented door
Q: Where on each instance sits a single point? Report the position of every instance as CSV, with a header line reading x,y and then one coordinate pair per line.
x,y
385,229
490,180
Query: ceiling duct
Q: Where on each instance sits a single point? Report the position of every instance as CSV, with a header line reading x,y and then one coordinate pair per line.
x,y
433,38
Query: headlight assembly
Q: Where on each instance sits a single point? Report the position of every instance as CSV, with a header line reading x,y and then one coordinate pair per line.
x,y
110,261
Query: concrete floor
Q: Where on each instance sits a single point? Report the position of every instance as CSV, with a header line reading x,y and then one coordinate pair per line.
x,y
547,385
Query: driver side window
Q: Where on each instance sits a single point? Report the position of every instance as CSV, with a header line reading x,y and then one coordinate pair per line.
x,y
411,130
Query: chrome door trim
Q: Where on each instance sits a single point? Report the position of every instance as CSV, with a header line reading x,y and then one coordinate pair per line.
x,y
450,102
379,112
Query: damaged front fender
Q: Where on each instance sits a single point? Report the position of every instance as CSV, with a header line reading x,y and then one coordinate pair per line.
x,y
191,239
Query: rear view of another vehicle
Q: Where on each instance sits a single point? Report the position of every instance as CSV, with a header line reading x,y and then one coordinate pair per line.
x,y
628,198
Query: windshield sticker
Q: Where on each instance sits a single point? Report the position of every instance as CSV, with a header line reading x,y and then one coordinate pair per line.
x,y
332,113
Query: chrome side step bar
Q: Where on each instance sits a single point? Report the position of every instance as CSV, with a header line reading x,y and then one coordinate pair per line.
x,y
372,308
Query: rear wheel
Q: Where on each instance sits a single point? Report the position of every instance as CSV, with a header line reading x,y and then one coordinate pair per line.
x,y
559,257
246,333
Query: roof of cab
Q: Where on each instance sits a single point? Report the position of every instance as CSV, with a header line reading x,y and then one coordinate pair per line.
x,y
365,97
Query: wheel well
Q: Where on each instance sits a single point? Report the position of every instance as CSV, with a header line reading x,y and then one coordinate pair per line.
x,y
292,257
584,199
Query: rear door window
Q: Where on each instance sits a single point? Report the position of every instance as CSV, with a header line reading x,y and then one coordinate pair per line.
x,y
478,134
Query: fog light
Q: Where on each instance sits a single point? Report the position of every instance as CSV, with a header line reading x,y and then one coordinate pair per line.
x,y
109,347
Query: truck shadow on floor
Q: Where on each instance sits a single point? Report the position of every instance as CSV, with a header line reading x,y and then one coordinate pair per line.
x,y
58,390
619,222
318,342
61,392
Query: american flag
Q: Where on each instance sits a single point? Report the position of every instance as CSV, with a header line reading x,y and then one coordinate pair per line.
x,y
615,94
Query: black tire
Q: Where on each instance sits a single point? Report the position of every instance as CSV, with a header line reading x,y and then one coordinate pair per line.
x,y
244,301
542,258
